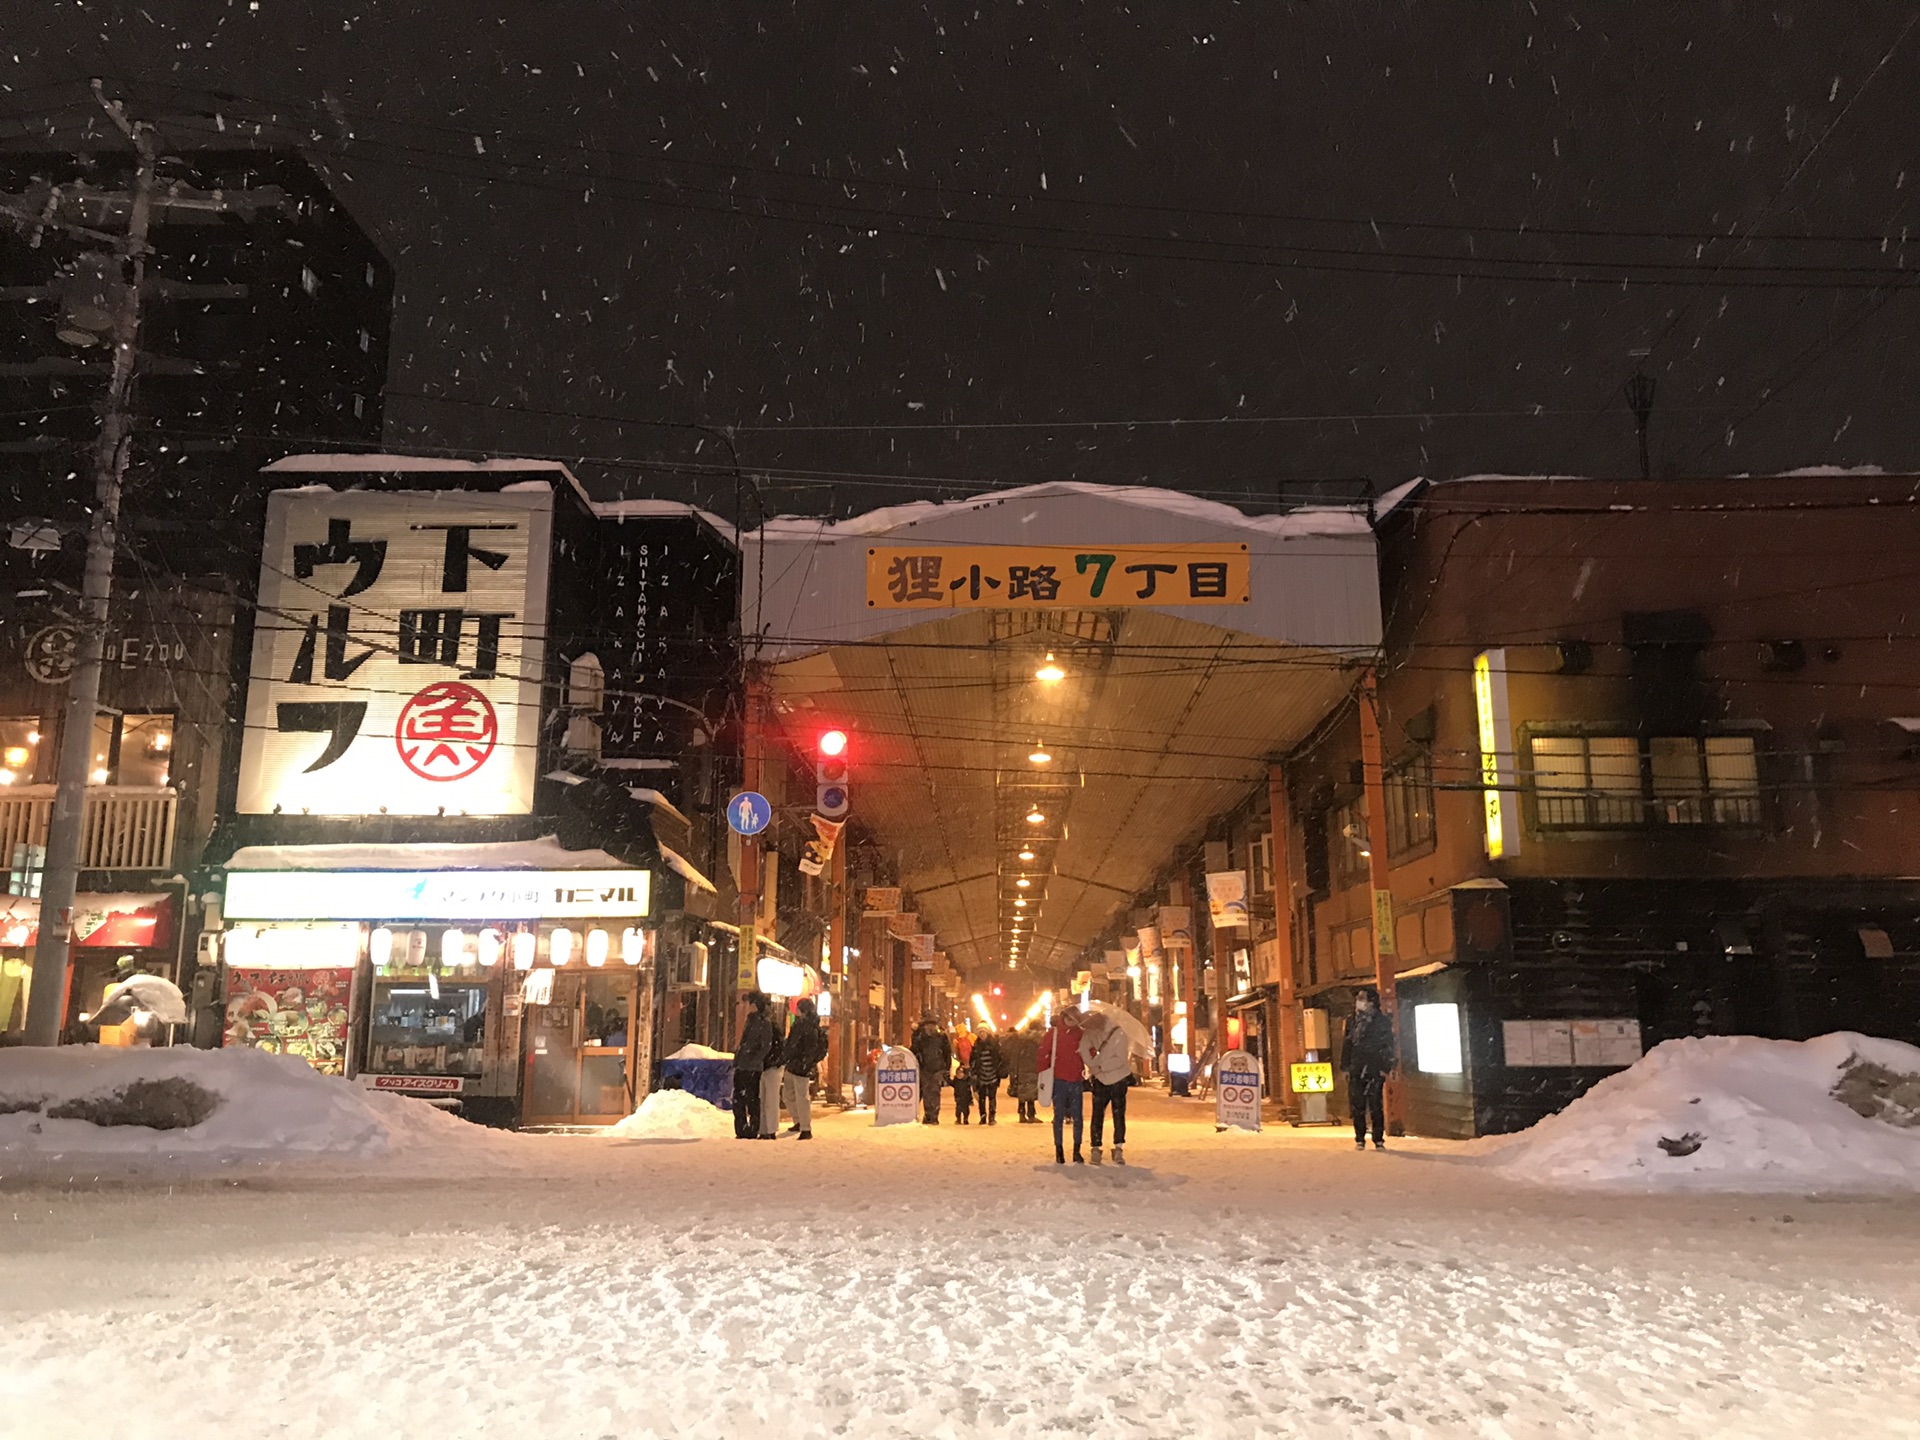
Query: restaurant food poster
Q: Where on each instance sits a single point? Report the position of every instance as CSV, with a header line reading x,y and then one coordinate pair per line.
x,y
397,660
292,1012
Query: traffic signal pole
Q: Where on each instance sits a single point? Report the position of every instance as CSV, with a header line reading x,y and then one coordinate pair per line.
x,y
52,955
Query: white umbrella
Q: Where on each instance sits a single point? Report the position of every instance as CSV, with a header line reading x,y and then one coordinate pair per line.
x,y
142,992
1137,1037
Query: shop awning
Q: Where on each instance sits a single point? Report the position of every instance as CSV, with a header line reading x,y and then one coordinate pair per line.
x,y
682,867
546,853
100,922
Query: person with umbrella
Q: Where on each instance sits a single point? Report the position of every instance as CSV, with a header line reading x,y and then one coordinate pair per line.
x,y
1060,1055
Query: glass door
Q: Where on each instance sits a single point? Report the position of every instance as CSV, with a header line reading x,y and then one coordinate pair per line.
x,y
578,1050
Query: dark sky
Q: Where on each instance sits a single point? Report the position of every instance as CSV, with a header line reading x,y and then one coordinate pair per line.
x,y
1377,239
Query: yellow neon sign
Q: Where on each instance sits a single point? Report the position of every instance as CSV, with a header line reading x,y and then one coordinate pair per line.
x,y
1496,751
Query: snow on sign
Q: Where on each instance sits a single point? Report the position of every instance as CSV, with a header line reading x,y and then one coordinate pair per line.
x,y
896,1088
397,660
1238,1091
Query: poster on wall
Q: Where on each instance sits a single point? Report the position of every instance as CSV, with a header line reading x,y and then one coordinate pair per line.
x,y
292,1012
1227,898
397,662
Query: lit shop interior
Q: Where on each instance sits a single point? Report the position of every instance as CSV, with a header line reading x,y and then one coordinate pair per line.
x,y
511,1021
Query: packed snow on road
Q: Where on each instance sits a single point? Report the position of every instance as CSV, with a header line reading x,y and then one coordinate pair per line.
x,y
384,1262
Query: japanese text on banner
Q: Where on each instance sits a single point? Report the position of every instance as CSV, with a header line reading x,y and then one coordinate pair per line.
x,y
1018,577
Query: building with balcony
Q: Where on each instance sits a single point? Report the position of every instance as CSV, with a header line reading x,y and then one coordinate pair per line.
x,y
1650,772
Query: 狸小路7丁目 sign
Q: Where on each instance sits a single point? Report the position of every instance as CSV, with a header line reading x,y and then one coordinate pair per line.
x,y
1022,577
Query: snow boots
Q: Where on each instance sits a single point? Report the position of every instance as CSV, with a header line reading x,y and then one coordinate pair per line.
x,y
1119,1155
1097,1159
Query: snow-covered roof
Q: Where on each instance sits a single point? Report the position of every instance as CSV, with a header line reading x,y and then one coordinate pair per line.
x,y
349,463
651,509
1329,520
546,853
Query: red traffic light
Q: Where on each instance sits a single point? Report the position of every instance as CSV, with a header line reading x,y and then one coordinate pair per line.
x,y
833,743
996,990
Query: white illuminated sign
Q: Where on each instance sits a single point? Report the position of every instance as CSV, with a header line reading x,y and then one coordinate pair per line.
x,y
436,894
1436,1036
1496,753
397,654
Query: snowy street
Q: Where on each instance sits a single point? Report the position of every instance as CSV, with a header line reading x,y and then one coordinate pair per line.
x,y
948,1282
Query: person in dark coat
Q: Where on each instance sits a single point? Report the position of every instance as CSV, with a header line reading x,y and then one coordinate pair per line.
x,y
934,1052
749,1061
987,1065
805,1048
962,1096
1021,1052
1368,1055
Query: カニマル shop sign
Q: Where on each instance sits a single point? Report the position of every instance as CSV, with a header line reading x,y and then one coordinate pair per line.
x,y
436,894
397,657
1038,577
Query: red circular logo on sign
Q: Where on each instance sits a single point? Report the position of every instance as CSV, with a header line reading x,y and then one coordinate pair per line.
x,y
447,731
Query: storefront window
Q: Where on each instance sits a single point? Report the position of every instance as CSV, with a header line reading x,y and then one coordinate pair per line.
x,y
19,751
132,750
424,1026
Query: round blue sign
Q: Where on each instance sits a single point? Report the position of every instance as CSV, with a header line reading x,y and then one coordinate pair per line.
x,y
749,813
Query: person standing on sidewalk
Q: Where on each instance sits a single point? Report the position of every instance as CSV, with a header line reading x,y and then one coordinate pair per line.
x,y
988,1064
1109,1056
773,1077
1368,1055
806,1047
1021,1052
749,1063
934,1052
1060,1053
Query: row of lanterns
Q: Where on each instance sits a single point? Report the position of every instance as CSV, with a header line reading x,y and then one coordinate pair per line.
x,y
490,947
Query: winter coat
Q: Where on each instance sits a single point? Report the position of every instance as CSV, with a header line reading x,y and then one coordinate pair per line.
x,y
758,1045
1021,1052
806,1046
1060,1050
1109,1055
962,1088
1369,1049
935,1054
987,1064
963,1048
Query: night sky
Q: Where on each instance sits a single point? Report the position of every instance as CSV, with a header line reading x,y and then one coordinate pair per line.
x,y
1376,240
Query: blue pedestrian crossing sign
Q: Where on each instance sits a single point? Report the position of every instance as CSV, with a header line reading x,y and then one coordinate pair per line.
x,y
749,813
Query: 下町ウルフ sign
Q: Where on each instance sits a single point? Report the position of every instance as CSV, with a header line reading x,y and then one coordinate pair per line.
x,y
1022,577
397,654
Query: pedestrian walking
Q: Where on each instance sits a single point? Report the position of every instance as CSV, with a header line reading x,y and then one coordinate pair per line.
x,y
986,1067
962,1096
934,1052
749,1062
806,1047
1060,1053
1368,1055
1021,1052
1109,1059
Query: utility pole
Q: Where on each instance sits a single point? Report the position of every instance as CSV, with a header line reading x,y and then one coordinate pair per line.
x,y
1386,959
46,998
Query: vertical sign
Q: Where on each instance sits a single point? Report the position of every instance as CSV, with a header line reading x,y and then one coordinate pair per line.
x,y
398,654
1238,1091
896,1088
1496,753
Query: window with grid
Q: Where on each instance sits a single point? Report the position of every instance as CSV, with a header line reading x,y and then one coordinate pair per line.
x,y
1410,804
1592,782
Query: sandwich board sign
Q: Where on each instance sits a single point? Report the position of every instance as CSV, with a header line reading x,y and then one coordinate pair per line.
x,y
896,1087
1237,1091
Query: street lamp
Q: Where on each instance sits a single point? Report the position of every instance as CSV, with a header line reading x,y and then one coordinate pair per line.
x,y
1050,673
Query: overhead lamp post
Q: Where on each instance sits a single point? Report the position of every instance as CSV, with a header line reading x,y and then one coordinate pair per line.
x,y
1050,673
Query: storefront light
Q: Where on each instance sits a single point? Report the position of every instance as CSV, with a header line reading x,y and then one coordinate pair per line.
x,y
489,944
825,1003
597,946
633,945
525,943
781,978
560,946
453,945
380,947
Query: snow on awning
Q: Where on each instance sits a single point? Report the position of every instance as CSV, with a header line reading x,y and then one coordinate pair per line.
x,y
546,853
685,870
774,945
1419,971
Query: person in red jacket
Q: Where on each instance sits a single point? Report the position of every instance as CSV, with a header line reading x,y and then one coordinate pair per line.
x,y
1060,1051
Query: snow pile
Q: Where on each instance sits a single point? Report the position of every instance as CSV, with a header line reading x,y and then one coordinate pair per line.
x,y
89,1105
700,1052
1736,1113
674,1115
